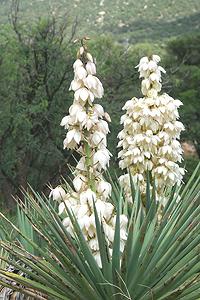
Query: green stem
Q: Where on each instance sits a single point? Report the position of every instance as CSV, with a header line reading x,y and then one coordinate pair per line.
x,y
89,166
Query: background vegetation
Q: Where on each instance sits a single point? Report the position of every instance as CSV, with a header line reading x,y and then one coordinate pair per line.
x,y
36,56
128,20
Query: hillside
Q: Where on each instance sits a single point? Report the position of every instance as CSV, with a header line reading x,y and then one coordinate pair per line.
x,y
128,20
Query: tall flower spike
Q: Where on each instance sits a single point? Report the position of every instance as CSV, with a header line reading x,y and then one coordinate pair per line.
x,y
87,129
149,139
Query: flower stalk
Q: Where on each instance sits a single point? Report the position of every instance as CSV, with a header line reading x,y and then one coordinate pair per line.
x,y
88,162
87,129
151,132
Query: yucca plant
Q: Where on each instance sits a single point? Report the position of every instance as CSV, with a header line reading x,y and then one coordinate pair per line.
x,y
136,238
160,260
6,233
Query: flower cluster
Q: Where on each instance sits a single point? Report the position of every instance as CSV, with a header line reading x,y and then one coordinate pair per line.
x,y
87,128
150,134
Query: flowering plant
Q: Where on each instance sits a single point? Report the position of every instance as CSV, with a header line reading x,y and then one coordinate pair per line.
x,y
149,139
87,126
136,238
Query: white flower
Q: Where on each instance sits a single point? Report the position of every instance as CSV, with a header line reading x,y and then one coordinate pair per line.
x,y
97,257
81,50
102,125
87,196
94,84
98,109
152,93
75,85
73,138
91,226
107,117
77,64
82,211
161,69
104,188
101,158
123,224
94,245
100,207
154,77
87,127
61,207
78,182
81,165
109,232
150,133
91,68
80,73
108,212
65,121
58,193
151,73
77,113
89,57
156,58
83,94
98,138
143,61
90,120
152,65
66,222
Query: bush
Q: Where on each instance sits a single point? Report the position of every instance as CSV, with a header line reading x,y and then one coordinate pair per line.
x,y
185,65
35,64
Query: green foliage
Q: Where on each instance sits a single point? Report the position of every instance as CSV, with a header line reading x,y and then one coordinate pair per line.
x,y
36,65
186,49
189,164
161,257
34,68
185,65
26,230
35,72
127,20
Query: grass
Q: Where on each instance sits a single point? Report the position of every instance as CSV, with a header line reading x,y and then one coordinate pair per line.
x,y
129,20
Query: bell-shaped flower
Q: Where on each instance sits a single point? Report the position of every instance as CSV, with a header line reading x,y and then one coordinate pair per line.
x,y
58,193
80,73
75,85
91,68
72,139
104,188
79,181
94,85
101,159
87,196
77,64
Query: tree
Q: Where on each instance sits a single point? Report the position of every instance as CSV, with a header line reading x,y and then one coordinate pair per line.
x,y
34,68
184,55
